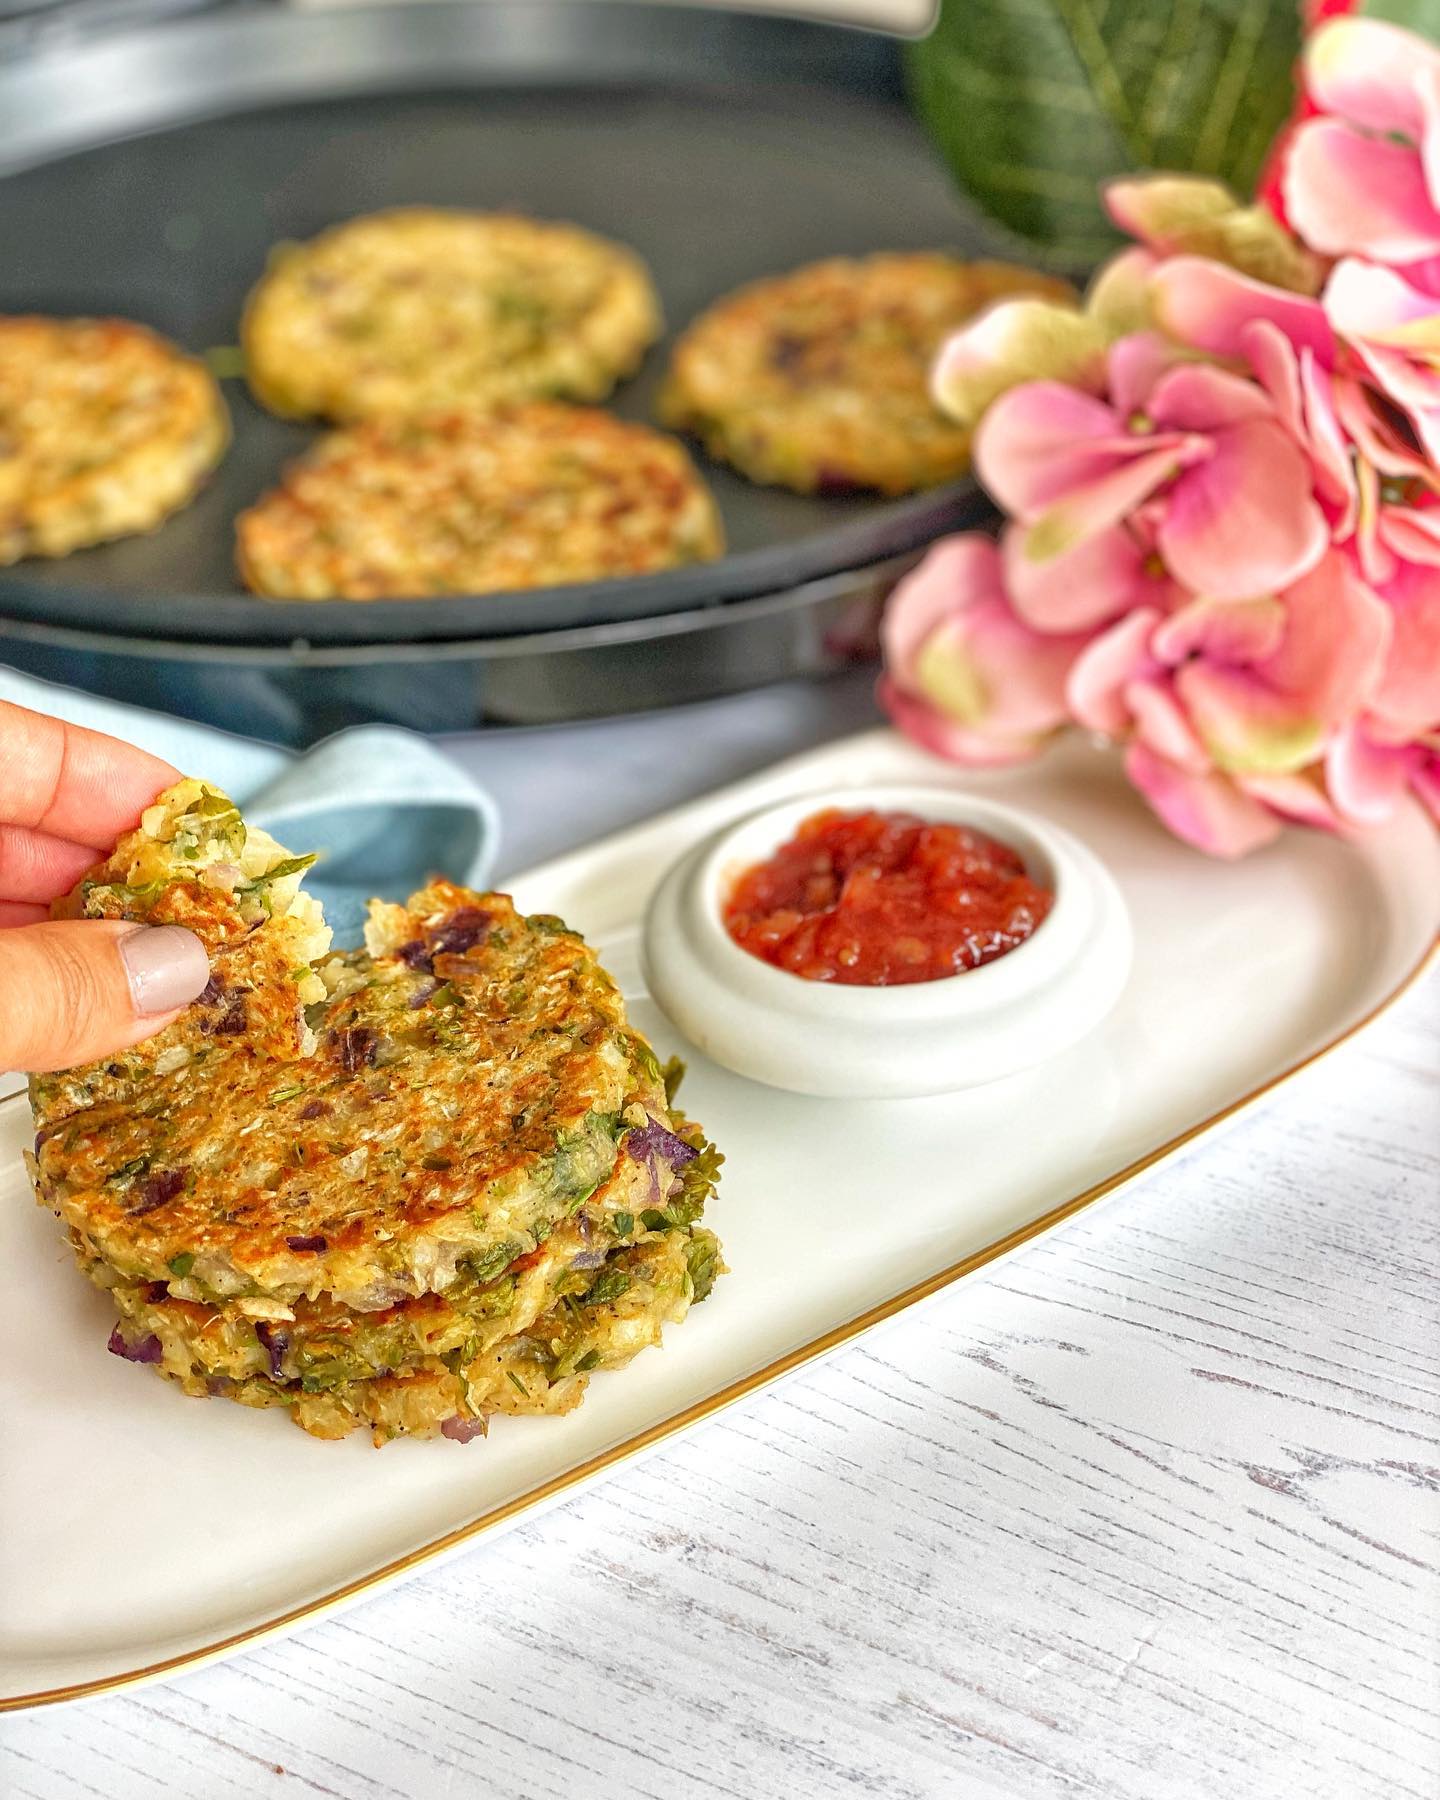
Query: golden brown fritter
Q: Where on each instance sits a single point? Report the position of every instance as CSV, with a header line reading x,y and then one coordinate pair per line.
x,y
535,497
819,380
105,430
468,1088
526,1342
408,311
193,861
457,1191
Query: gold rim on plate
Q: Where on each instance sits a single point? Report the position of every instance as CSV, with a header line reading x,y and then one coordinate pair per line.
x,y
723,1397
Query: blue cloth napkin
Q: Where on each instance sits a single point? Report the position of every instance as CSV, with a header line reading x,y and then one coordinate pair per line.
x,y
384,807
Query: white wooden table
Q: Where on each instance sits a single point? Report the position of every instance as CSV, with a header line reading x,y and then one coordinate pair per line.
x,y
1149,1514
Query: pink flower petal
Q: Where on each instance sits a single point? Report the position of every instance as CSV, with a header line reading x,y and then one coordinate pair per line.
x,y
1297,797
1118,297
1161,724
940,735
1367,420
1226,631
1407,698
956,573
1346,192
1199,397
1379,306
1207,305
1095,690
1336,640
1134,365
1412,532
1016,341
1205,810
967,675
1104,575
1365,780
1365,70
1042,440
1425,781
1427,92
1085,511
1244,522
1277,368
1274,715
1376,559
1302,394
1329,453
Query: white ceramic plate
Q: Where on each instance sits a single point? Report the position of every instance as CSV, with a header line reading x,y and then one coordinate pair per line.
x,y
142,1532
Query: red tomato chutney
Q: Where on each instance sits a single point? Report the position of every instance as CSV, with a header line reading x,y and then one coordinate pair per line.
x,y
872,899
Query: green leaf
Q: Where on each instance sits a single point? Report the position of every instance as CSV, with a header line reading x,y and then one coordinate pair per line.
x,y
1415,15
1036,103
609,1285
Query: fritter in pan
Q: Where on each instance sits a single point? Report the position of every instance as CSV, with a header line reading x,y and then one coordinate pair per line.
x,y
537,496
105,430
408,311
819,380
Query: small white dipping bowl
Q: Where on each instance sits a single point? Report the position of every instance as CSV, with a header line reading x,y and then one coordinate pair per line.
x,y
923,1037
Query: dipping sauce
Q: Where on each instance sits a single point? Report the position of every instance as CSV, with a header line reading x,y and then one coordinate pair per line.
x,y
872,899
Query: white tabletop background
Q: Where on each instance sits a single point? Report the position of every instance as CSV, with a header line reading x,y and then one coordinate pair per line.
x,y
1151,1513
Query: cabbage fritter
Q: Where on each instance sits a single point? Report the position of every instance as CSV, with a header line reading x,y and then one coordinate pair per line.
x,y
819,380
402,312
525,1342
452,1168
105,430
537,496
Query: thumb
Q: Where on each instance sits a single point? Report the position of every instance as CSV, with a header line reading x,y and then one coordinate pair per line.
x,y
73,991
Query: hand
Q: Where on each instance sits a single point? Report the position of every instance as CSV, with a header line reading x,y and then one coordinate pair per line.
x,y
74,991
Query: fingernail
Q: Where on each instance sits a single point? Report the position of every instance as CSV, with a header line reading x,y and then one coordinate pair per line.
x,y
165,966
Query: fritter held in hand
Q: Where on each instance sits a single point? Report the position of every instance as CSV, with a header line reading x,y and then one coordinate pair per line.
x,y
465,1192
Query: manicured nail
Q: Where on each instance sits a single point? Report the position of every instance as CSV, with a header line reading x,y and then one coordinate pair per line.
x,y
166,965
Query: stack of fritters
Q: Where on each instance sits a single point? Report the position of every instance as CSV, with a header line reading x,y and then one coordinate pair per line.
x,y
448,1186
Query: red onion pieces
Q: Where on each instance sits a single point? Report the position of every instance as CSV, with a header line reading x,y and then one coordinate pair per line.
x,y
146,1351
653,1139
461,1429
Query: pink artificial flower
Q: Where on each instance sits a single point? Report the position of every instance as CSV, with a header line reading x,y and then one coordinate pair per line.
x,y
963,675
1363,179
1186,473
1393,331
1211,307
1380,499
1187,215
1372,328
1365,778
1226,704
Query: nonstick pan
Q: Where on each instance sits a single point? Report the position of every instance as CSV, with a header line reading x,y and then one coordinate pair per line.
x,y
148,171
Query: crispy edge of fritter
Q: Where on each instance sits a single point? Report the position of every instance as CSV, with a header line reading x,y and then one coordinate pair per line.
x,y
193,861
540,1370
